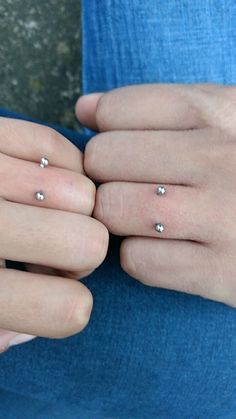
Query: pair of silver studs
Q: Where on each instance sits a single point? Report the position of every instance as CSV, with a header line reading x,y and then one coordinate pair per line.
x,y
43,163
161,190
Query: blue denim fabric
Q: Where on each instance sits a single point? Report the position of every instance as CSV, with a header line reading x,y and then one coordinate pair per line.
x,y
147,353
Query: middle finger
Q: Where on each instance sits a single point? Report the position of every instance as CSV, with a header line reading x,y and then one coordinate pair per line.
x,y
135,209
63,189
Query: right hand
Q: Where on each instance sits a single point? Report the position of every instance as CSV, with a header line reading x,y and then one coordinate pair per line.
x,y
56,238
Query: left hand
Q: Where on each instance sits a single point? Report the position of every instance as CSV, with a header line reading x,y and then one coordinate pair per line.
x,y
182,137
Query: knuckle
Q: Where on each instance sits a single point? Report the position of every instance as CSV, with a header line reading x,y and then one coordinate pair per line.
x,y
217,153
100,210
74,312
128,260
219,108
94,154
104,204
90,195
99,243
222,156
208,103
89,251
103,112
110,206
90,156
227,117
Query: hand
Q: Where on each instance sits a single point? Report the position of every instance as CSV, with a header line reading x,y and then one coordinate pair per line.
x,y
55,236
182,137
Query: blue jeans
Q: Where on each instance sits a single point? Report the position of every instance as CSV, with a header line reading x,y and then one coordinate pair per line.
x,y
147,352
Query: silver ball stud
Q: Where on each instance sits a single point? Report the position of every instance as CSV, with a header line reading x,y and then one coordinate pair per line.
x,y
161,190
44,162
39,196
159,228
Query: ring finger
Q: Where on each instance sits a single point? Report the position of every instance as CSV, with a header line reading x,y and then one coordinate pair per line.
x,y
136,209
52,238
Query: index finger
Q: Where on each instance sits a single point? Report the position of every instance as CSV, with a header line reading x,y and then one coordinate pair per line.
x,y
155,107
31,141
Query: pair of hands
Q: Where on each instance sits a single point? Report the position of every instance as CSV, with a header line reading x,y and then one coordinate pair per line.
x,y
180,136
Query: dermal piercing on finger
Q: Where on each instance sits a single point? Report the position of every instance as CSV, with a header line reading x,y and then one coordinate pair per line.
x,y
44,162
159,227
161,190
40,196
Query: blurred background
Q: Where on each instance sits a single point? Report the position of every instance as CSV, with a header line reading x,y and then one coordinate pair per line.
x,y
40,58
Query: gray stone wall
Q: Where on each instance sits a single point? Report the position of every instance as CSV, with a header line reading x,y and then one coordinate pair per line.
x,y
40,57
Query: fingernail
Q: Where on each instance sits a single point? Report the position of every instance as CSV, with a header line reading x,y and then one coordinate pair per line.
x,y
22,338
3,349
16,340
88,100
94,94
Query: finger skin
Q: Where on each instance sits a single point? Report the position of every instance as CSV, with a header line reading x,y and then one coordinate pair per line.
x,y
47,237
29,141
63,189
147,106
128,208
157,106
52,306
178,265
85,109
147,156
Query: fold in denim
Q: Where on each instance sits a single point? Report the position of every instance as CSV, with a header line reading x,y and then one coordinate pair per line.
x,y
147,353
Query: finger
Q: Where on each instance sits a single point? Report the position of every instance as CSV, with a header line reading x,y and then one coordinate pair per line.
x,y
63,189
52,306
30,141
145,156
135,209
85,109
157,106
47,237
182,266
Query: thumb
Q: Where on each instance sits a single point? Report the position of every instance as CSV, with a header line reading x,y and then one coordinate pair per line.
x,y
85,110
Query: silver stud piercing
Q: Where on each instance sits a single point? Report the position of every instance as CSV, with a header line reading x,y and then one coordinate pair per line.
x,y
43,162
161,190
159,227
40,196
